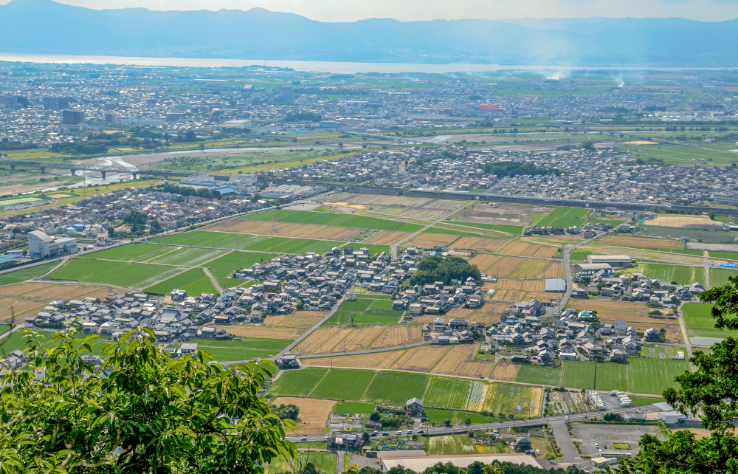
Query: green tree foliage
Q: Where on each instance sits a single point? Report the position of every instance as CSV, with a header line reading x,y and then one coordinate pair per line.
x,y
155,227
435,268
139,412
303,117
188,191
589,146
476,468
510,168
712,391
134,217
289,411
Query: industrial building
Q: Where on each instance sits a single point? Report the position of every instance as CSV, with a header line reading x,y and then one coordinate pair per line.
x,y
41,245
73,117
615,261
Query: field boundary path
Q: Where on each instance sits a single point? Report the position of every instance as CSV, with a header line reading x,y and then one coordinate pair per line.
x,y
707,270
566,257
685,336
368,351
213,280
312,329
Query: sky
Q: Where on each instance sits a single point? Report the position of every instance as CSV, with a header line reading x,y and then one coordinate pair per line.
x,y
406,10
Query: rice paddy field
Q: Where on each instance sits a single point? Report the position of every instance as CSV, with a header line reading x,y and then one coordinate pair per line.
x,y
163,254
365,311
564,217
226,265
240,349
396,387
700,323
438,416
539,375
455,394
642,375
719,276
19,276
353,408
460,445
337,220
610,375
343,384
255,243
654,375
124,274
298,383
681,274
194,282
504,398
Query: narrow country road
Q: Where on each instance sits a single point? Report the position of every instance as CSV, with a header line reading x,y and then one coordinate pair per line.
x,y
567,271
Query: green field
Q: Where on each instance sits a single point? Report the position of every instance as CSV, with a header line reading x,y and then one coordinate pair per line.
x,y
565,217
365,311
353,408
438,416
373,249
246,348
581,254
725,255
699,321
459,445
125,274
396,387
338,220
323,462
20,276
679,155
17,341
454,394
298,383
610,375
504,398
654,375
681,274
194,282
226,265
165,254
256,243
343,384
509,229
539,375
719,276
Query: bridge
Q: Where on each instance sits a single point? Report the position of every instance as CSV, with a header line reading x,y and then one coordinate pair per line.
x,y
102,169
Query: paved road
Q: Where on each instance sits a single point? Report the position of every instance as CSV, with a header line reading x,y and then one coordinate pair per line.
x,y
497,425
567,272
564,442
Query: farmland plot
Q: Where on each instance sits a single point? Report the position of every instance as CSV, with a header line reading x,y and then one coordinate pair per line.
x,y
322,340
529,250
262,331
343,384
504,398
429,240
421,358
396,387
298,383
479,243
388,237
313,417
624,241
305,231
358,339
460,361
397,336
654,375
539,375
505,372
455,394
378,360
301,319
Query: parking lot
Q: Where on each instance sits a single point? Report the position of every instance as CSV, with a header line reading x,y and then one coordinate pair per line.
x,y
596,437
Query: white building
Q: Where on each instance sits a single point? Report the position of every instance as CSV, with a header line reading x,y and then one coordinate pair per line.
x,y
41,245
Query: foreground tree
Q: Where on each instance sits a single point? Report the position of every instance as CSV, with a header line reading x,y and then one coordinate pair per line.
x,y
140,412
712,392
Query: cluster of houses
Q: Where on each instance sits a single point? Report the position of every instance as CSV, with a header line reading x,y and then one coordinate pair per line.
x,y
638,287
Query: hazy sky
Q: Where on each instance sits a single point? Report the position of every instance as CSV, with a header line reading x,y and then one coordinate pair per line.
x,y
350,10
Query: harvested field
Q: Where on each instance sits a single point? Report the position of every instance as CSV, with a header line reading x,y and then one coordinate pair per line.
x,y
609,311
302,319
430,240
504,398
552,238
46,292
421,358
322,340
505,372
358,339
273,320
460,361
313,417
305,231
19,306
397,336
521,285
695,222
479,244
262,332
388,237
517,267
378,360
553,269
509,295
490,313
20,289
543,296
623,241
462,313
426,208
529,250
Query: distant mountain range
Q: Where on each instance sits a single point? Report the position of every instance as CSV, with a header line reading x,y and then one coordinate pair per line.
x,y
44,26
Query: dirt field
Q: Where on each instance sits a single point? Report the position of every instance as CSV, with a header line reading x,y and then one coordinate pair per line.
x,y
388,237
479,243
609,311
505,372
517,267
305,231
463,313
490,313
302,319
313,417
460,361
425,208
529,250
359,339
379,360
623,241
397,336
429,240
14,307
646,254
322,340
273,320
699,222
262,332
26,299
523,285
503,214
421,358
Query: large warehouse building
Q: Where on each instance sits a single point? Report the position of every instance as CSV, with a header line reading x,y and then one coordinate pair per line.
x,y
41,245
615,261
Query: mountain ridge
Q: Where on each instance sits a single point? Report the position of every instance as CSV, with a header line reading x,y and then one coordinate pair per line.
x,y
48,27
